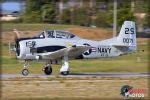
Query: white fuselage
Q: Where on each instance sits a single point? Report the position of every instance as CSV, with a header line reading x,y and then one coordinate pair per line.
x,y
99,48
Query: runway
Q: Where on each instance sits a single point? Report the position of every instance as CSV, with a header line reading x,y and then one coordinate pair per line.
x,y
98,74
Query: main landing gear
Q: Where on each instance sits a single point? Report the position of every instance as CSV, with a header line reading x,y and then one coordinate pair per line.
x,y
64,70
47,69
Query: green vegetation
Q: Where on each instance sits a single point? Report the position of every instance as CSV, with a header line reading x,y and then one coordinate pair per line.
x,y
33,26
48,11
124,14
40,11
100,14
136,62
105,20
65,17
81,16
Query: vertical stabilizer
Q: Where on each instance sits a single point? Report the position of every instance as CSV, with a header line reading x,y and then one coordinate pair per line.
x,y
127,35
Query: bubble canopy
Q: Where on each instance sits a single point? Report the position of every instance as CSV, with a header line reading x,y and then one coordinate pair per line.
x,y
56,34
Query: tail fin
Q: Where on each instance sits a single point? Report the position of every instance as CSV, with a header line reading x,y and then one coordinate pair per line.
x,y
127,35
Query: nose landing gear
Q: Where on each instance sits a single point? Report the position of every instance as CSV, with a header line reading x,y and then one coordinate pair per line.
x,y
25,71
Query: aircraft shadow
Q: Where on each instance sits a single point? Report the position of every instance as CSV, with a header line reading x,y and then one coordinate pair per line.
x,y
92,74
109,74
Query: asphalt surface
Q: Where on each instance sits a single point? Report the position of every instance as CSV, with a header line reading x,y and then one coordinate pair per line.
x,y
98,74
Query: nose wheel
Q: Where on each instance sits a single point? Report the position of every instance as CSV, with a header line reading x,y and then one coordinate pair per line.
x,y
25,72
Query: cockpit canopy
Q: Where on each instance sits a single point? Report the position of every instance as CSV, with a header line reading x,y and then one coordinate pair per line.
x,y
56,34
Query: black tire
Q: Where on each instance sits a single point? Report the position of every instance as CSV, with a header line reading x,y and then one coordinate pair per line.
x,y
65,73
25,72
48,70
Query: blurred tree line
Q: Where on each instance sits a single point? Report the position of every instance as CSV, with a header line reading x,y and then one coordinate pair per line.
x,y
40,11
102,16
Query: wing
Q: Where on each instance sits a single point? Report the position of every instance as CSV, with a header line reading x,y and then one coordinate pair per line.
x,y
72,52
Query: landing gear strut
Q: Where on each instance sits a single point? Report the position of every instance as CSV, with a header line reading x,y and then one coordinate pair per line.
x,y
25,71
48,69
65,67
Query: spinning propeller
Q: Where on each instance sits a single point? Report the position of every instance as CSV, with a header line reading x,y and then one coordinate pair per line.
x,y
13,46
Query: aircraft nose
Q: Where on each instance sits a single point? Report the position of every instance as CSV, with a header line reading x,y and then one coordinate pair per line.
x,y
17,48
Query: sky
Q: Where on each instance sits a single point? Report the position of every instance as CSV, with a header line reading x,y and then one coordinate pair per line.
x,y
11,6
